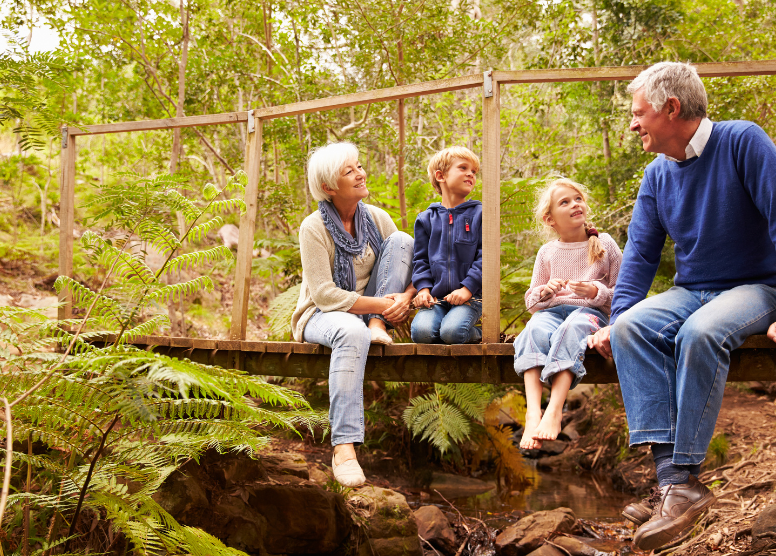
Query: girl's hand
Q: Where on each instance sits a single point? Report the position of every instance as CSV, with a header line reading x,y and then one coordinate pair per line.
x,y
459,296
423,299
553,287
584,289
399,311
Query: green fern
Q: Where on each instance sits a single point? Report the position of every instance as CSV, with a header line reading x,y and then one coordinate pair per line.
x,y
280,312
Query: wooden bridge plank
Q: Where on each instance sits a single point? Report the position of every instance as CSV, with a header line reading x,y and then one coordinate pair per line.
x,y
312,349
457,350
399,350
255,347
176,341
437,350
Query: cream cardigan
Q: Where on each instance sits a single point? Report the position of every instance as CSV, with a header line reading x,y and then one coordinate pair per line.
x,y
318,289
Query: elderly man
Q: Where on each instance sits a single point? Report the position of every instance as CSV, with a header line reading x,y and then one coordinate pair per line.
x,y
712,189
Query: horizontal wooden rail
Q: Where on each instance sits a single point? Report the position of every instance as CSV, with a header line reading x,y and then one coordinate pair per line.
x,y
559,75
487,363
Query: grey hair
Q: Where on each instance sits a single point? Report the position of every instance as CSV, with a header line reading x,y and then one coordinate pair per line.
x,y
673,79
324,166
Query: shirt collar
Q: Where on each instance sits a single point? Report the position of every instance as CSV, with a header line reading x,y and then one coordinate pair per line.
x,y
698,142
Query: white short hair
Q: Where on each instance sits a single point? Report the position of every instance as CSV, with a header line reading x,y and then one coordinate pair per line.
x,y
673,79
325,165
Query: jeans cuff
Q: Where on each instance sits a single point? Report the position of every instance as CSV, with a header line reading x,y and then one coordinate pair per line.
x,y
687,458
655,436
529,361
355,439
574,366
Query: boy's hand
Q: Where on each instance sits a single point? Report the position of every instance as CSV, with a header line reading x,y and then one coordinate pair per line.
x,y
552,287
423,299
584,289
459,296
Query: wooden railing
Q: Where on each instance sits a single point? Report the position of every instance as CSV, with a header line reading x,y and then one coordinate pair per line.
x,y
491,148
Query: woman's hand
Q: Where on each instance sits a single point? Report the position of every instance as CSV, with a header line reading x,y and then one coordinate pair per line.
x,y
584,289
552,287
399,311
423,299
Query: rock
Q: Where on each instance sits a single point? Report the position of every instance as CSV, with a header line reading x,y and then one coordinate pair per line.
x,y
765,524
6,300
230,497
48,304
714,541
456,486
229,234
553,447
285,463
391,527
580,394
529,533
434,527
575,547
570,431
547,550
319,477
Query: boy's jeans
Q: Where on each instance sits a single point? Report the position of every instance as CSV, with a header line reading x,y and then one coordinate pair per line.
x,y
556,340
451,324
672,352
348,337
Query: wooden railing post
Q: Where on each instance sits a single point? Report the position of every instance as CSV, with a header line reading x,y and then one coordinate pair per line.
x,y
66,217
242,279
491,210
402,142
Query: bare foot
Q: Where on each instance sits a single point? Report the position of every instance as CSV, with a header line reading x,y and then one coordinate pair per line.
x,y
529,441
549,427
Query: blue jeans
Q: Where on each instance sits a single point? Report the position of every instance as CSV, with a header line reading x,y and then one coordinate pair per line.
x,y
451,324
348,337
672,353
556,340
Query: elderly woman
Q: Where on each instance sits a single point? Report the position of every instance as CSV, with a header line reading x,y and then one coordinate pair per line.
x,y
356,279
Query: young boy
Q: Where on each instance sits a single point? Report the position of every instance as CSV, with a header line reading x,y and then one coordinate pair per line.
x,y
447,263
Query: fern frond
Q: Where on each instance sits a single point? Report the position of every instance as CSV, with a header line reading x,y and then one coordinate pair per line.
x,y
174,292
161,238
281,309
197,233
197,258
227,206
146,329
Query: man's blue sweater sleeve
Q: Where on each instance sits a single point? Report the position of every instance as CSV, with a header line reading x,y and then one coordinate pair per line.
x,y
756,168
421,267
646,237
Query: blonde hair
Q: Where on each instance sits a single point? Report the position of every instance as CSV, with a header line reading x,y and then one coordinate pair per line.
x,y
443,160
595,252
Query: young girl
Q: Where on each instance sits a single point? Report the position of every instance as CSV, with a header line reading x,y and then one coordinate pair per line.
x,y
570,296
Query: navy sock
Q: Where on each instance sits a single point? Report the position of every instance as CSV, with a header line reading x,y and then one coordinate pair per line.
x,y
667,472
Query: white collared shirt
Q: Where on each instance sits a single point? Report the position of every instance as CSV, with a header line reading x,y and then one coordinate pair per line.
x,y
698,142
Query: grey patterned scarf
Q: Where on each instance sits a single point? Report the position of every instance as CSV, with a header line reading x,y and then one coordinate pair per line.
x,y
346,246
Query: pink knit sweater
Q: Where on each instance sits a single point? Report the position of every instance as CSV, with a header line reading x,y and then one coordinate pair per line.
x,y
568,261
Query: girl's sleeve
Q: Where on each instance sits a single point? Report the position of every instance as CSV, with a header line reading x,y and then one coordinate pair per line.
x,y
317,269
540,277
606,287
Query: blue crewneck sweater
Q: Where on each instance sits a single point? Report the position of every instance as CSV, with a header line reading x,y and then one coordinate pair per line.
x,y
720,210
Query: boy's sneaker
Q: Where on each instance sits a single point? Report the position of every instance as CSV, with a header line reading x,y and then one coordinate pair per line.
x,y
640,512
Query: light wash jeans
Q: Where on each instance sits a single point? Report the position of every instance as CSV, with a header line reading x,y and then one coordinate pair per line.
x,y
556,340
348,337
451,324
672,353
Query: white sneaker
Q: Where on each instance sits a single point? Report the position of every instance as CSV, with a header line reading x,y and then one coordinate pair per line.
x,y
348,473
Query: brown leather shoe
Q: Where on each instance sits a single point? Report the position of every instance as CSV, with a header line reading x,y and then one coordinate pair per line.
x,y
640,512
679,507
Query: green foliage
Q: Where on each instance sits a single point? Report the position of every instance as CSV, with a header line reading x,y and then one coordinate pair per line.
x,y
717,454
280,312
444,416
115,420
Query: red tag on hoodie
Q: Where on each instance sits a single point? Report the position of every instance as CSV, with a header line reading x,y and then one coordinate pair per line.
x,y
451,217
467,226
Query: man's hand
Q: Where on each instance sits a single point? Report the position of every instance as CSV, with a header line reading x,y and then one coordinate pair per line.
x,y
399,312
772,332
459,296
423,299
584,289
552,287
600,342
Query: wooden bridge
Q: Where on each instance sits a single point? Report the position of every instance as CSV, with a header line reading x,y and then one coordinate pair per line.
x,y
486,362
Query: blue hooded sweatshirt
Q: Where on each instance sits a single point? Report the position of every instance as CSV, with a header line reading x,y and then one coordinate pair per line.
x,y
448,249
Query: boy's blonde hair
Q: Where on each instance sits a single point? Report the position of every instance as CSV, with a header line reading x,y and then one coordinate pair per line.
x,y
443,160
595,252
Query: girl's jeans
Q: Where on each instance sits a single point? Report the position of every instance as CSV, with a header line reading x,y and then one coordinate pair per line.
x,y
555,339
348,337
451,324
672,353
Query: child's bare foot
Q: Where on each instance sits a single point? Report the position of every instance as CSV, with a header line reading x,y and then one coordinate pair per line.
x,y
549,427
529,441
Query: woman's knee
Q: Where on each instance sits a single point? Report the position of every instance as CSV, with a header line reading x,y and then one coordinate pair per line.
x,y
355,333
401,239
